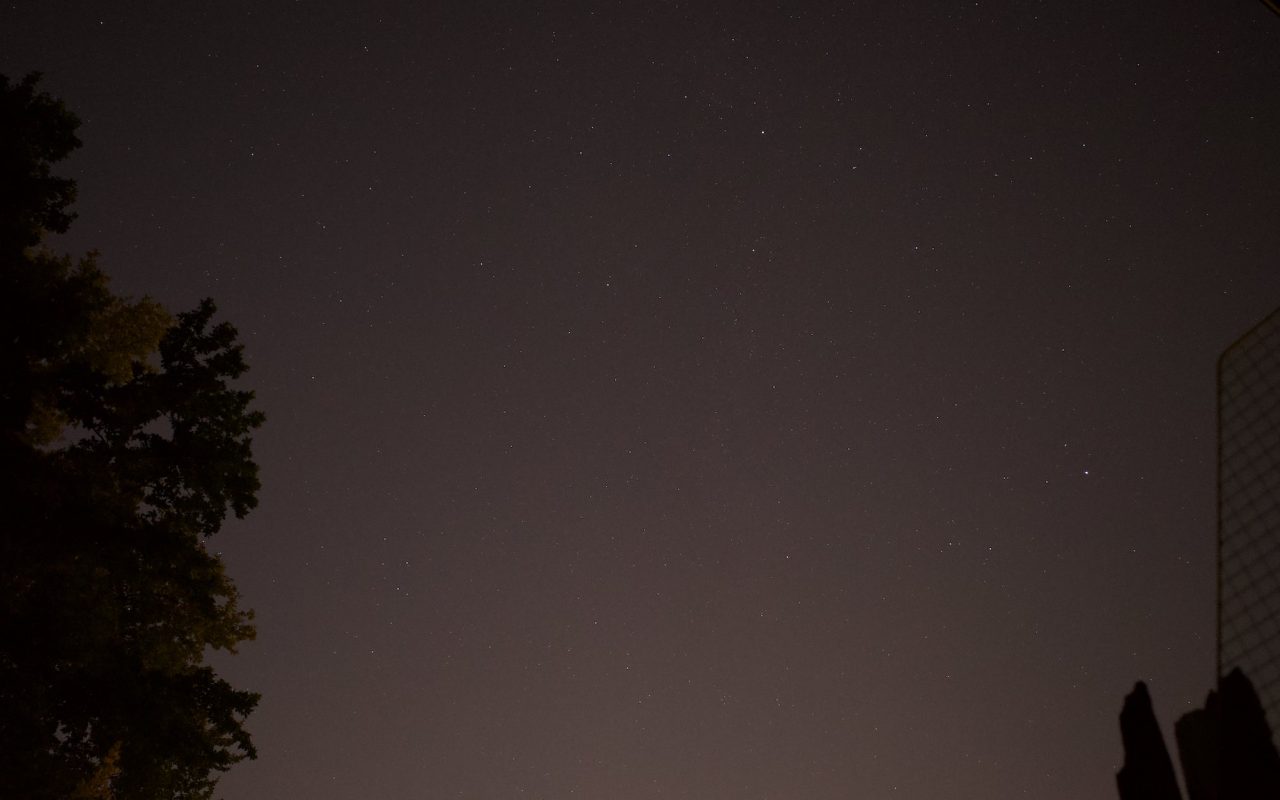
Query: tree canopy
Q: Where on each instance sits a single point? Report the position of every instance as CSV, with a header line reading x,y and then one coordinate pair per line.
x,y
124,445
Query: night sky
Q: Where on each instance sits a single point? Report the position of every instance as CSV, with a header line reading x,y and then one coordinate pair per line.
x,y
718,401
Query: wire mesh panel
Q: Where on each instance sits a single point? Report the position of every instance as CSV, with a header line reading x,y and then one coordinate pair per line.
x,y
1249,511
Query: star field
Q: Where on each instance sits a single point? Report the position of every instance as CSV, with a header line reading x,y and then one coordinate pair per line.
x,y
699,400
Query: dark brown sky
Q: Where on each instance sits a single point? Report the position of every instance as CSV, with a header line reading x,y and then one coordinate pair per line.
x,y
708,400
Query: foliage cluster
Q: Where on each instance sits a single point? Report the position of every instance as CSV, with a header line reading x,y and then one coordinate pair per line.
x,y
123,446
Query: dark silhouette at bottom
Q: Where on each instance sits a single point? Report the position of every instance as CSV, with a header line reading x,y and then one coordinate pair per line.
x,y
1225,748
1147,773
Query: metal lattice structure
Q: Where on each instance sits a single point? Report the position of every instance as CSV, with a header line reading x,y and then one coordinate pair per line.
x,y
1249,510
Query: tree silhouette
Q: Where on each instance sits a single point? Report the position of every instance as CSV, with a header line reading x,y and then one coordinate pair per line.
x,y
123,446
